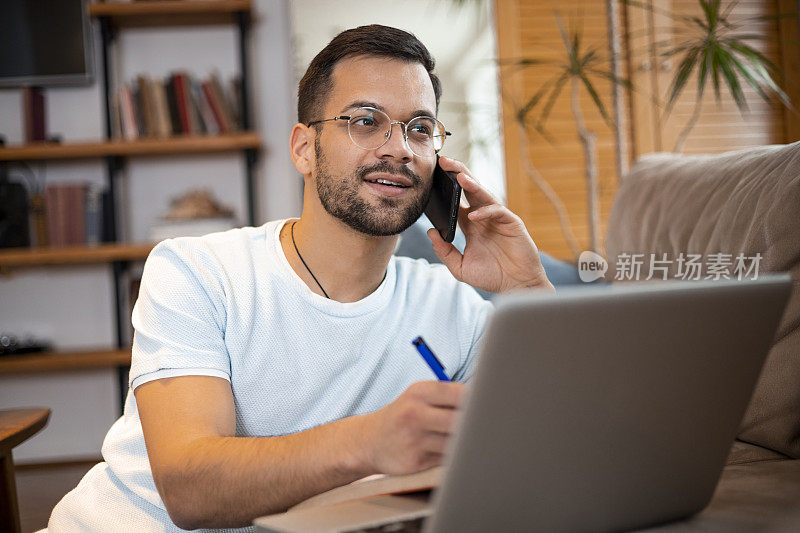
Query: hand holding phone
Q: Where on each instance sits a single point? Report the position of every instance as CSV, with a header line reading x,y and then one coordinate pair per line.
x,y
442,208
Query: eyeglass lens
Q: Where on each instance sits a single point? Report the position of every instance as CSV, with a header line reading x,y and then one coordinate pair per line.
x,y
370,129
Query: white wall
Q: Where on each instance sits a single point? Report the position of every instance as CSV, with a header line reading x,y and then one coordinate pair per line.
x,y
73,305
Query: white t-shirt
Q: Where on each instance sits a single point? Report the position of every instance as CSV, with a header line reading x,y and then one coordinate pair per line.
x,y
229,305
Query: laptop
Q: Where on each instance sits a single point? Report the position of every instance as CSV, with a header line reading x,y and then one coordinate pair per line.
x,y
600,408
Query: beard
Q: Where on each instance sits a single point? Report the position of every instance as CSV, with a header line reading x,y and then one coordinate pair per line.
x,y
341,199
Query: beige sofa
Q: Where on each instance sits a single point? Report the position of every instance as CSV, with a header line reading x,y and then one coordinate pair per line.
x,y
739,202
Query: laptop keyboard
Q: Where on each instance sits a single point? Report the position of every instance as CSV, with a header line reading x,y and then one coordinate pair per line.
x,y
412,525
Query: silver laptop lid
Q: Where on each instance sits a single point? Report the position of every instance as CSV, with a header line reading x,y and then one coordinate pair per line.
x,y
604,409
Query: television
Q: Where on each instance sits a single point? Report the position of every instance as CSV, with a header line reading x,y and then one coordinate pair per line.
x,y
45,43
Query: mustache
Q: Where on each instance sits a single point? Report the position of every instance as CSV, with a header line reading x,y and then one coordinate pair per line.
x,y
385,166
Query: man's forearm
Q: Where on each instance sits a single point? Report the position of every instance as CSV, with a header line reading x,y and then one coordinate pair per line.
x,y
229,481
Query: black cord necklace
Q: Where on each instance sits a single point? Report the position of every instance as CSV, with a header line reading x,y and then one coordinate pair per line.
x,y
309,270
305,265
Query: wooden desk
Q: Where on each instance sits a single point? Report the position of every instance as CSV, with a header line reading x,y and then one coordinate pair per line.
x,y
16,426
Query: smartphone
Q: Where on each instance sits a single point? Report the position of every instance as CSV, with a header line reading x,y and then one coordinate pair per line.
x,y
442,208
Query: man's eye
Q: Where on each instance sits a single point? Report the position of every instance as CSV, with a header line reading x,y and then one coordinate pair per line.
x,y
421,128
364,121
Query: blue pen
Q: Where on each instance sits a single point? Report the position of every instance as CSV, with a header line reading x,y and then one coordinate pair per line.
x,y
430,358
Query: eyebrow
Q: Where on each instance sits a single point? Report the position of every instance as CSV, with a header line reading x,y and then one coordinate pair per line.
x,y
364,103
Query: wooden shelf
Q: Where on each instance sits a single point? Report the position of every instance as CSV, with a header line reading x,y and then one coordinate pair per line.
x,y
151,146
170,12
70,255
57,361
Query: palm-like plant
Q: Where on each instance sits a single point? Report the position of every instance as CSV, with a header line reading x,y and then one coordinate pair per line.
x,y
717,49
580,67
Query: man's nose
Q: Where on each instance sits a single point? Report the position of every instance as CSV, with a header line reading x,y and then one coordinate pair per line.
x,y
396,146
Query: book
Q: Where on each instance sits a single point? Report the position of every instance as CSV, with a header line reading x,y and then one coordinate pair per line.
x,y
147,103
55,215
216,107
206,113
225,107
172,103
378,485
136,99
76,213
181,94
94,215
163,121
194,111
65,213
130,129
235,100
107,219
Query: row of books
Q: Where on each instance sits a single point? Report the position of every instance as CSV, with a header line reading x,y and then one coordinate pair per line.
x,y
176,105
75,214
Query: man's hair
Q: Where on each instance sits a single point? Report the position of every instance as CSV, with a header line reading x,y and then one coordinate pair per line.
x,y
372,40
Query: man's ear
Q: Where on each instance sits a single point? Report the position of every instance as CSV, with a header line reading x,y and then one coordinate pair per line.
x,y
301,141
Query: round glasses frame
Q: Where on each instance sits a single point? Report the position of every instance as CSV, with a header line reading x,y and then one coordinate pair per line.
x,y
388,133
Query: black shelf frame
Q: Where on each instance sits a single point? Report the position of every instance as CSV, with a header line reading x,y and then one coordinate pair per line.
x,y
115,164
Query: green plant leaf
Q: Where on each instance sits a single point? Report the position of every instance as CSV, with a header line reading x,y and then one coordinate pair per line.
x,y
715,72
751,76
610,76
759,71
705,66
729,75
551,100
599,103
534,100
752,54
680,79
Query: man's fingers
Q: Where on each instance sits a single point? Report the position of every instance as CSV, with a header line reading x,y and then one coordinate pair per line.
x,y
496,212
439,419
446,252
439,393
434,443
476,194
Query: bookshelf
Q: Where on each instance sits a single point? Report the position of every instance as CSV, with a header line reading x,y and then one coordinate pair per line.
x,y
170,12
72,255
118,148
63,361
112,18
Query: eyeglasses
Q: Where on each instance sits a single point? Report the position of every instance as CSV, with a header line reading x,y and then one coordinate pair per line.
x,y
370,128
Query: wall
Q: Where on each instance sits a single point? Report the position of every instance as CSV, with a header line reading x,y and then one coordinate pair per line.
x,y
73,305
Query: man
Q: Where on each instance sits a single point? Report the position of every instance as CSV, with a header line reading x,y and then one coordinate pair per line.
x,y
274,363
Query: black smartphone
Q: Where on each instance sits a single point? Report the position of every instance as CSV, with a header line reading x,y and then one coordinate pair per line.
x,y
442,208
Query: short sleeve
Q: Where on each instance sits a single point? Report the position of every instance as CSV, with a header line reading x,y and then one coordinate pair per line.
x,y
179,317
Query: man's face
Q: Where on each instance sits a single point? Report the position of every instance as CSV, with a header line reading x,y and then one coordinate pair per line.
x,y
345,173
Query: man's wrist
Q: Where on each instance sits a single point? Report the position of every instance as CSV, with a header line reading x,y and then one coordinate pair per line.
x,y
539,283
354,457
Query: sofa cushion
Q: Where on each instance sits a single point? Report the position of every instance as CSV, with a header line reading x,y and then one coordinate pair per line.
x,y
743,453
762,496
745,202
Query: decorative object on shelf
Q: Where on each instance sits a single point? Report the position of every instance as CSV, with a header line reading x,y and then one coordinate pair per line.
x,y
193,214
13,213
11,344
33,114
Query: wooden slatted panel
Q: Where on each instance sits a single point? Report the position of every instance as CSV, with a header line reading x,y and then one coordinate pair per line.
x,y
528,28
721,127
